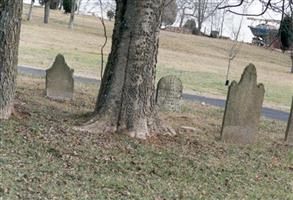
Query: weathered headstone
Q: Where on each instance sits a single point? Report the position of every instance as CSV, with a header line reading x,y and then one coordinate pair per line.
x,y
59,80
289,131
169,93
243,108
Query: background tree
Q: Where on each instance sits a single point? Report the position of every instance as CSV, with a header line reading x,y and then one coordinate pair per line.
x,y
78,4
191,26
61,5
222,19
200,10
286,36
30,12
110,14
169,12
184,6
234,50
47,4
10,22
67,6
54,4
72,14
204,9
126,100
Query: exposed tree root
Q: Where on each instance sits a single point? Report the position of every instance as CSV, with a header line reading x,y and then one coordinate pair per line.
x,y
161,126
97,125
6,112
19,113
100,125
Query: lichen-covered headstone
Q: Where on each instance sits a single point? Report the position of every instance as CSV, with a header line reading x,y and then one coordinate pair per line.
x,y
243,108
59,80
169,93
289,131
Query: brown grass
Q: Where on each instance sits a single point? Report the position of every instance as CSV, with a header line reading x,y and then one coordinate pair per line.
x,y
43,157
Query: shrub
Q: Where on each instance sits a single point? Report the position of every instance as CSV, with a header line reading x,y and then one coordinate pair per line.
x,y
67,6
110,14
286,33
191,26
54,4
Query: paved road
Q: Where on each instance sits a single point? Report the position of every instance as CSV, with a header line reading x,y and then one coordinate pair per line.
x,y
266,112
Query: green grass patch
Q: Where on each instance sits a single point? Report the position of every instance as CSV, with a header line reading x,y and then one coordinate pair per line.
x,y
212,83
78,60
198,81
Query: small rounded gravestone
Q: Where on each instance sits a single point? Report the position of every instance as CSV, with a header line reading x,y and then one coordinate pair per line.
x,y
169,93
59,80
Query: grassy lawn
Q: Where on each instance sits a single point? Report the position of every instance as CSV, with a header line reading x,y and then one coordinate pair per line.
x,y
42,157
200,62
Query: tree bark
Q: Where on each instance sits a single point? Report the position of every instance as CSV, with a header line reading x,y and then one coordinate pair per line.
x,y
47,11
72,14
126,100
292,61
10,22
29,16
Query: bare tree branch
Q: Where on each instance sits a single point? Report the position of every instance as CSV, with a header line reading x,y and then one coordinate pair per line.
x,y
106,38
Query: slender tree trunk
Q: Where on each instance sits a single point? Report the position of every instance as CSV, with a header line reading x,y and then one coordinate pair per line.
x,y
199,26
126,101
47,11
222,23
72,14
199,22
212,23
182,17
10,22
292,61
78,6
29,16
61,5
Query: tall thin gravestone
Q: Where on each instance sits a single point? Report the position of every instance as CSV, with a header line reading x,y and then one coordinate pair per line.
x,y
243,108
169,93
289,131
59,80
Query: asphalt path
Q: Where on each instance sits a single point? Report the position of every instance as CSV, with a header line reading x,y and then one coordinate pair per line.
x,y
266,112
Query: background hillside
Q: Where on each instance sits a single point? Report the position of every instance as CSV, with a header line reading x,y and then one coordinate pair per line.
x,y
200,62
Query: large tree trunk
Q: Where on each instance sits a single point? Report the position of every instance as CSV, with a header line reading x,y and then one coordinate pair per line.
x,y
10,22
29,16
73,7
126,101
47,11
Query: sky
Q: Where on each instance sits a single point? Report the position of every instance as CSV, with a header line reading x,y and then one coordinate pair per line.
x,y
231,23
